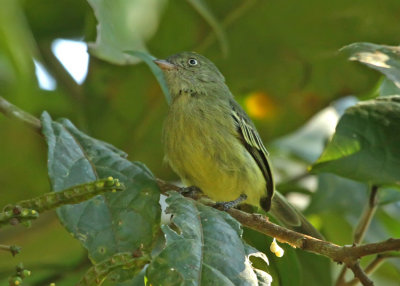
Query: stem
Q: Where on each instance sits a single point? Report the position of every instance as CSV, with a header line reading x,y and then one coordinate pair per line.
x,y
362,227
367,215
28,210
374,264
361,275
13,249
15,112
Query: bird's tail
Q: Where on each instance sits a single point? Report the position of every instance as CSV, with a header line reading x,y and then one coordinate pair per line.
x,y
290,217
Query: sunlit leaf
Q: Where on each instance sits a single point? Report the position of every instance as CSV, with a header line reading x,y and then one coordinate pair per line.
x,y
205,248
389,195
385,59
115,222
366,144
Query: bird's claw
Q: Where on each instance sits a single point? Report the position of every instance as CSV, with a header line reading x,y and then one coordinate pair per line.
x,y
230,204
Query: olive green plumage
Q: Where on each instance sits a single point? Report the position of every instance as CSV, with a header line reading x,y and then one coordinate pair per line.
x,y
211,143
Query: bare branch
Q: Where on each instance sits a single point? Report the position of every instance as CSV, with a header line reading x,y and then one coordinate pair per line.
x,y
374,264
360,274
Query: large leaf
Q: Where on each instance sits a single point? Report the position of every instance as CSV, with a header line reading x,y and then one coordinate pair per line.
x,y
205,248
115,222
124,25
385,59
366,144
388,88
309,141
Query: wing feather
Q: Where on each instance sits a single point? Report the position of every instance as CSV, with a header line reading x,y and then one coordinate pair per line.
x,y
253,143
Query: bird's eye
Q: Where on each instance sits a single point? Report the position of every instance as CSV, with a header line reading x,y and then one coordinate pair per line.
x,y
192,62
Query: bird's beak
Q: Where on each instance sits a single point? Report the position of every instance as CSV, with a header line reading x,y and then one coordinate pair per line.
x,y
165,65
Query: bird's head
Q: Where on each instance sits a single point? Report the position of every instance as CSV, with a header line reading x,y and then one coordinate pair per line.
x,y
189,71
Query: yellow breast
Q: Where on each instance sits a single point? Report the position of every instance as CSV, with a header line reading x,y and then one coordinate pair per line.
x,y
202,147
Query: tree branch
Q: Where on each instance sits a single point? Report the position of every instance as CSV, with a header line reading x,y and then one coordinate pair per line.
x,y
374,264
360,274
349,255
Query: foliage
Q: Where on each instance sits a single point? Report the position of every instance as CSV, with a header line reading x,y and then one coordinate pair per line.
x,y
365,144
279,60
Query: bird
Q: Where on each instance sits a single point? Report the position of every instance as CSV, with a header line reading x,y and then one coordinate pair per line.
x,y
212,144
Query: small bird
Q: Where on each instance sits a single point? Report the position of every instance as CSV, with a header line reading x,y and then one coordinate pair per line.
x,y
212,144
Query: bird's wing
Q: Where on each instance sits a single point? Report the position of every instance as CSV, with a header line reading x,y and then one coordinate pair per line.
x,y
253,143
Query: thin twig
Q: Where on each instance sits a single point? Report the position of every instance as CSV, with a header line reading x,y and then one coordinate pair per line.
x,y
360,274
373,265
340,281
367,215
13,249
15,112
362,227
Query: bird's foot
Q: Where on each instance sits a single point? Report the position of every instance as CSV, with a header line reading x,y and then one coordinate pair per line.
x,y
191,192
228,205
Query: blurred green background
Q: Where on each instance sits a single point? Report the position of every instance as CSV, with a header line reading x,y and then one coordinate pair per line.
x,y
280,59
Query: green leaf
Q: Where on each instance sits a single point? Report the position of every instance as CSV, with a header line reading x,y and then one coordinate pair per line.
x,y
389,195
203,248
148,59
366,144
385,59
109,224
388,88
309,141
206,13
333,195
124,25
